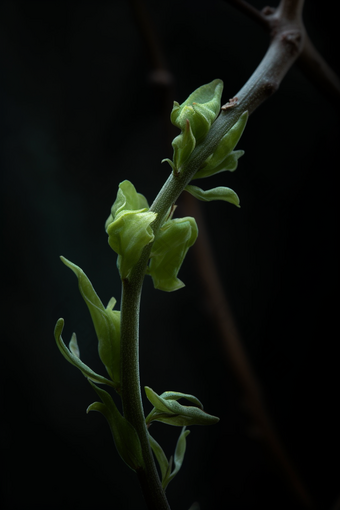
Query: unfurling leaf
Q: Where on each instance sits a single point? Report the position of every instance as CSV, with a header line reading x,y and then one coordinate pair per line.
x,y
169,250
106,323
200,108
72,356
127,200
129,227
124,434
183,146
219,193
164,464
128,235
223,157
168,410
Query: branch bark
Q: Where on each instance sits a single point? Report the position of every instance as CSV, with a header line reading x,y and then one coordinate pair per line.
x,y
309,61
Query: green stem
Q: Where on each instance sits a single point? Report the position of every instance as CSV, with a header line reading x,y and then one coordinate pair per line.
x,y
130,306
131,392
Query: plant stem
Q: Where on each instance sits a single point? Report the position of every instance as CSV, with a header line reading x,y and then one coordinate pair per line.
x,y
130,307
131,391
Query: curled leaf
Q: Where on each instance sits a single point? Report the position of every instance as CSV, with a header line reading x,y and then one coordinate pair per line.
x,y
71,354
223,157
161,458
106,323
183,146
165,465
127,200
168,410
179,453
169,250
200,108
124,434
128,235
219,193
129,227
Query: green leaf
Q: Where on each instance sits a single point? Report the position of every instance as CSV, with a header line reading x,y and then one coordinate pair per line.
x,y
128,235
106,323
223,158
176,395
179,454
219,193
72,356
167,160
73,346
169,250
229,164
124,434
161,458
165,465
127,200
200,108
129,227
168,410
183,146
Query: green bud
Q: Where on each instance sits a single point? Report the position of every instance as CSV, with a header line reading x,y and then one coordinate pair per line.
x,y
129,227
124,434
168,252
219,193
168,410
201,109
223,158
106,323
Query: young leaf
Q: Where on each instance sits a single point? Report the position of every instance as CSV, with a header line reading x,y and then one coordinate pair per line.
x,y
73,346
173,413
127,200
223,158
124,434
219,193
183,146
176,395
128,234
164,464
72,356
169,250
200,108
229,164
179,455
106,323
161,458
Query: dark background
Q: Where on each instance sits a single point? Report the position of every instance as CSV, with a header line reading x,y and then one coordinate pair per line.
x,y
79,112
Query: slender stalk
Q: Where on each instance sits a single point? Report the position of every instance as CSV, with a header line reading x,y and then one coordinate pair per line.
x,y
130,307
131,391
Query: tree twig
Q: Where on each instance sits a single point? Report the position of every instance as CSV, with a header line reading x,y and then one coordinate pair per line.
x,y
309,61
251,12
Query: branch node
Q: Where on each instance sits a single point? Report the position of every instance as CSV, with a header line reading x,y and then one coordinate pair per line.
x,y
230,104
269,87
268,11
292,40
